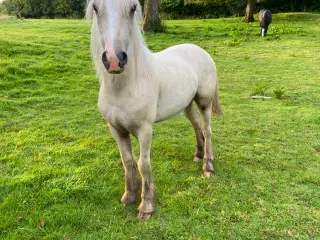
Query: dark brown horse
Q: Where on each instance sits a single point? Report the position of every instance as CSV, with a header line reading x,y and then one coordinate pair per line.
x,y
265,18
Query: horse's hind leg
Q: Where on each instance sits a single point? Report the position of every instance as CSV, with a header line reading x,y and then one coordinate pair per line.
x,y
132,185
196,124
206,110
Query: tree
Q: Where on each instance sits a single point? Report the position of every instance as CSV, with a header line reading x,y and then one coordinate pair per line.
x,y
15,7
249,11
142,4
151,21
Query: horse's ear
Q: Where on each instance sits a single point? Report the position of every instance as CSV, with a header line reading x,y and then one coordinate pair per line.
x,y
89,9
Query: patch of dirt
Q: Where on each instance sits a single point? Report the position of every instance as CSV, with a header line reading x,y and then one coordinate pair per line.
x,y
317,149
4,16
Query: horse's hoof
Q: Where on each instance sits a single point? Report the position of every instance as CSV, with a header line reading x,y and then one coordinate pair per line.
x,y
145,216
127,203
128,199
146,209
196,159
207,174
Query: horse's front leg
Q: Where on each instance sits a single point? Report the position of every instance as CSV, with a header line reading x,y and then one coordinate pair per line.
x,y
132,179
146,207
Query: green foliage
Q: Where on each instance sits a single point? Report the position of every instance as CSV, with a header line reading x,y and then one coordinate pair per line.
x,y
201,9
279,93
171,9
46,8
260,89
3,10
291,5
13,6
161,27
174,9
58,162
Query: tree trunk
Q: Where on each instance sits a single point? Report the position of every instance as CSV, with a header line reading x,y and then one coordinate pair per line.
x,y
151,21
249,11
142,5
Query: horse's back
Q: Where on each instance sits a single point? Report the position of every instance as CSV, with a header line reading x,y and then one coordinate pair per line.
x,y
194,55
197,58
202,63
188,71
178,83
265,17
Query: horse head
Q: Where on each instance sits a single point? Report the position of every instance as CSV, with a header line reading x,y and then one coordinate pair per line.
x,y
116,21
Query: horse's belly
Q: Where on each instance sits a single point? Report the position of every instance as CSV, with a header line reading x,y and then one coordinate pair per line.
x,y
176,92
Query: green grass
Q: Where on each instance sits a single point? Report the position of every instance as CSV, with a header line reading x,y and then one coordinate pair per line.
x,y
60,164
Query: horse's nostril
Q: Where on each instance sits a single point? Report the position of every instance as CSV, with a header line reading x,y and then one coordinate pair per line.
x,y
123,59
105,60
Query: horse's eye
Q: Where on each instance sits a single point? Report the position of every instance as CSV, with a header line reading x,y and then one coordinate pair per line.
x,y
134,8
95,9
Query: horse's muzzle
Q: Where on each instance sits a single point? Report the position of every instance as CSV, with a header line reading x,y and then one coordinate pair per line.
x,y
114,63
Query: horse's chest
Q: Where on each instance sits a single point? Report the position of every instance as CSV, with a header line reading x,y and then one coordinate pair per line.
x,y
118,116
114,115
126,112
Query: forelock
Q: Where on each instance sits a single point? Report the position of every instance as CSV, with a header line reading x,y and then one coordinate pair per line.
x,y
123,5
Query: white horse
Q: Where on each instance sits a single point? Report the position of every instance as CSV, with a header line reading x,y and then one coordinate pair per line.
x,y
139,88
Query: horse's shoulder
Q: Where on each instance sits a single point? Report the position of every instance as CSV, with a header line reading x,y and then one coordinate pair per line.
x,y
182,50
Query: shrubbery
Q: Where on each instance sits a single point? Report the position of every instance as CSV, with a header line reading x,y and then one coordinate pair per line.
x,y
224,8
46,8
202,9
168,8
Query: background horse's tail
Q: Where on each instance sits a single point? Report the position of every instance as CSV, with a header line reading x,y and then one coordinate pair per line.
x,y
216,106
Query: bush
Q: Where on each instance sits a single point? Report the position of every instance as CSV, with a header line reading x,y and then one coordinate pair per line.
x,y
173,9
45,8
168,8
201,9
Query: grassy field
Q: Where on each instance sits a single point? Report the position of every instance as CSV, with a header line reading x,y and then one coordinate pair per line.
x,y
60,171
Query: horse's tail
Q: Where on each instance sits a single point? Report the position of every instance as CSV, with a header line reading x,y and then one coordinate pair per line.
x,y
216,106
